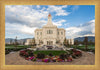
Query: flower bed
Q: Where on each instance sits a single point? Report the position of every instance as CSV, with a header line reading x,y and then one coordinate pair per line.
x,y
41,57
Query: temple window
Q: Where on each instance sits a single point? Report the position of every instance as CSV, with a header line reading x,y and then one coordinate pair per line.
x,y
61,33
37,33
49,32
41,33
58,33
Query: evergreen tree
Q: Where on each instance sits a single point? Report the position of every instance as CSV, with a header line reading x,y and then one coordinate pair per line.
x,y
86,42
64,42
76,43
16,42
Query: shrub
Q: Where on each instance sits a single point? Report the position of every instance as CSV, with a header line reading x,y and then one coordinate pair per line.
x,y
50,54
69,59
34,59
76,53
40,55
66,55
30,52
24,53
62,56
7,51
73,56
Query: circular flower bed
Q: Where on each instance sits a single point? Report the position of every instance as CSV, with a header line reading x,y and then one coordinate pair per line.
x,y
41,57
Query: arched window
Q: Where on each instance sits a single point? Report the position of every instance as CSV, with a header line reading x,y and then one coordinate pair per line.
x,y
49,32
37,33
58,33
41,33
61,33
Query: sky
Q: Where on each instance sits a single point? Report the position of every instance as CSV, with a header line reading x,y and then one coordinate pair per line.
x,y
22,20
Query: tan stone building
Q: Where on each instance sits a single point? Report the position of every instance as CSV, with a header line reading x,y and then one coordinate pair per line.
x,y
49,34
30,42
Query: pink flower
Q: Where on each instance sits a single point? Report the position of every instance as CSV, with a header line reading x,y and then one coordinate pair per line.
x,y
31,57
46,60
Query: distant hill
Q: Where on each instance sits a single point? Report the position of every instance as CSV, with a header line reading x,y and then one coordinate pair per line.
x,y
7,40
82,38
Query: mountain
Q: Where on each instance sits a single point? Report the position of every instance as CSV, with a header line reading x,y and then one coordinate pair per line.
x,y
7,40
92,38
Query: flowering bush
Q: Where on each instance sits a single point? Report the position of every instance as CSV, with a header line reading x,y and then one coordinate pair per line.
x,y
22,53
59,60
69,59
41,57
46,60
76,53
31,57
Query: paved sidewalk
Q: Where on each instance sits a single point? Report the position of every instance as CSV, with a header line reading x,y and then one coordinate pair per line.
x,y
15,59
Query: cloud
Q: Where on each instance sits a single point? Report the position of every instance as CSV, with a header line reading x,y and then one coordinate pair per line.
x,y
58,9
87,29
28,15
75,7
25,15
24,19
15,29
59,22
38,6
28,30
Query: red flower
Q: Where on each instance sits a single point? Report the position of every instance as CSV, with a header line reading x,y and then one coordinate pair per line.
x,y
69,59
27,58
78,53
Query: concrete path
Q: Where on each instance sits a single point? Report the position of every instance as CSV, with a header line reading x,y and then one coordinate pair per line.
x,y
15,59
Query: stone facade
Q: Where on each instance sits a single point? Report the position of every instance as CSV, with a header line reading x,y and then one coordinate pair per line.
x,y
70,41
30,42
49,34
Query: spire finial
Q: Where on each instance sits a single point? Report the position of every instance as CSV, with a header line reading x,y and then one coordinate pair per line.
x,y
49,15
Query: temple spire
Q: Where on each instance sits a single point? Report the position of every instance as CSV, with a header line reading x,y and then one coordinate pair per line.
x,y
49,19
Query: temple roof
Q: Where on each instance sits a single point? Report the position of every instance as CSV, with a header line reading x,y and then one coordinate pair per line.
x,y
49,15
49,23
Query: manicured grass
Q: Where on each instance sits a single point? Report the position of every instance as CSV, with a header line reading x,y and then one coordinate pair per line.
x,y
18,46
92,47
10,48
48,52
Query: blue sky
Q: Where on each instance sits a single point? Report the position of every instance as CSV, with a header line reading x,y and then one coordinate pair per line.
x,y
22,20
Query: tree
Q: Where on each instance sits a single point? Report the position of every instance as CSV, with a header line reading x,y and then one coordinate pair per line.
x,y
70,43
76,43
10,41
24,42
90,42
86,42
64,41
16,42
67,42
32,42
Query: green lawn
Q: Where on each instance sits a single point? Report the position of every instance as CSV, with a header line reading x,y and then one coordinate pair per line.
x,y
48,52
83,47
18,46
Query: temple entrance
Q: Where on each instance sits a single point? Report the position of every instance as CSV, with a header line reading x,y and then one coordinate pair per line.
x,y
49,42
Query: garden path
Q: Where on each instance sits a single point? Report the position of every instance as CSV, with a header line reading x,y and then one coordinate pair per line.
x,y
15,59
